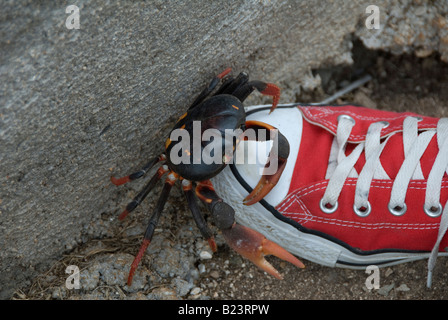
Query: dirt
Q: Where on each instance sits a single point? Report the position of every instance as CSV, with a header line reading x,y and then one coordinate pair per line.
x,y
400,83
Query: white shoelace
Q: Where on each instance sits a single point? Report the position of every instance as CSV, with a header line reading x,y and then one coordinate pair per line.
x,y
340,167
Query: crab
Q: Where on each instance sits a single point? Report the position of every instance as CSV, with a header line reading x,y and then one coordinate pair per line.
x,y
220,109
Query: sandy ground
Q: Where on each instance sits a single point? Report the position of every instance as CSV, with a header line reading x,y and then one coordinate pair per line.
x,y
178,264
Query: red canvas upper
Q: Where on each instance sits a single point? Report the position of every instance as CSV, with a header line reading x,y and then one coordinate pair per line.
x,y
380,230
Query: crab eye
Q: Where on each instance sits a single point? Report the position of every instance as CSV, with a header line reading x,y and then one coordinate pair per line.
x,y
226,159
229,148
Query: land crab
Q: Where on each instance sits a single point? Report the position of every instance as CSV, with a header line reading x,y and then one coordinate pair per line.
x,y
221,110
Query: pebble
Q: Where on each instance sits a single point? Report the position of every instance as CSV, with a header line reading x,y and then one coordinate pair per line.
x,y
195,291
205,255
182,287
88,279
193,275
59,293
389,271
162,293
385,290
201,268
403,287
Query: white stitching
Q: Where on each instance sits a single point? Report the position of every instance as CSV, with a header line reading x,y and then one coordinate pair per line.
x,y
295,196
318,117
354,115
355,224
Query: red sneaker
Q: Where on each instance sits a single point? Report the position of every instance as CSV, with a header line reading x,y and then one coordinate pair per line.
x,y
361,187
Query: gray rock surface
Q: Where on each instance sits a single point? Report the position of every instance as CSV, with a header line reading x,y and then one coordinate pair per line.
x,y
408,26
79,105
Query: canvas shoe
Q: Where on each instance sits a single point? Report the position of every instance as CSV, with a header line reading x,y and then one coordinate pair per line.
x,y
361,187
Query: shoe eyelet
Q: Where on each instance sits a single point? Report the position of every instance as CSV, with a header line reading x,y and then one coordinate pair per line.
x,y
363,212
324,207
344,116
418,118
385,124
433,213
397,210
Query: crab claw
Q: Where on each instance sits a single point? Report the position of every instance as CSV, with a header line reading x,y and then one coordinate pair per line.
x,y
275,165
265,185
254,246
247,242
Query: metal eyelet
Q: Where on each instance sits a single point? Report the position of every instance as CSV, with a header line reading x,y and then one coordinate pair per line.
x,y
385,124
363,212
397,210
433,213
418,118
344,116
324,207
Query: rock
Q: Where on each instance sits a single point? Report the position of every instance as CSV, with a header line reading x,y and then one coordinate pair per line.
x,y
201,268
409,27
89,279
362,99
388,272
385,290
182,286
113,270
403,287
162,293
59,293
172,262
195,291
205,255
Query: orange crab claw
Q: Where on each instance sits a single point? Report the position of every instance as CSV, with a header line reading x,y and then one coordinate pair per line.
x,y
273,91
265,185
278,157
254,246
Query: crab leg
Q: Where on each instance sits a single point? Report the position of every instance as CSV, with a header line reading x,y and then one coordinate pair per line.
x,y
241,88
279,154
169,182
187,186
142,194
138,174
267,89
247,242
231,84
210,88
